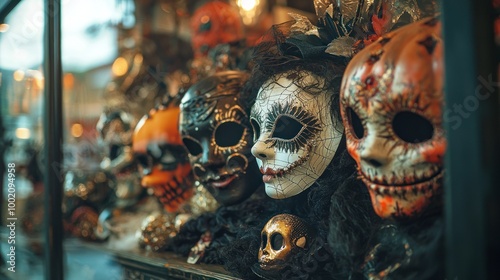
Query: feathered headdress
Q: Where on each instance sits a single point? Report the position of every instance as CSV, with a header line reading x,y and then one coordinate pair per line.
x,y
346,26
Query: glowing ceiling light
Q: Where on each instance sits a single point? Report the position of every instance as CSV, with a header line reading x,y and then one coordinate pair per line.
x,y
4,27
23,133
76,130
68,81
248,5
250,10
120,67
18,75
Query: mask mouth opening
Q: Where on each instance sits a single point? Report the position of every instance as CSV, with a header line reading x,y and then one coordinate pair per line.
x,y
222,181
223,176
271,264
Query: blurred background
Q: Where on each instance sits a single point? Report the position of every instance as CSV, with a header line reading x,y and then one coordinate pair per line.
x,y
116,54
125,54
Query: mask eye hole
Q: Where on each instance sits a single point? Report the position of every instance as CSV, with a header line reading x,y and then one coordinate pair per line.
x,y
276,241
143,163
167,157
263,242
194,148
256,129
228,134
355,124
205,25
286,128
142,160
412,127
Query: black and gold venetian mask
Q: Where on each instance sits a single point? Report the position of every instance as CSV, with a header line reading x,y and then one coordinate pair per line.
x,y
216,130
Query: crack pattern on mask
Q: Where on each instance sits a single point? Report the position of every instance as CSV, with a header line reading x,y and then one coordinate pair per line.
x,y
311,127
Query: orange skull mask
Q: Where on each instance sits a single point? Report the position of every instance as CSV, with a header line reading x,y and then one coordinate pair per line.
x,y
163,161
214,23
391,101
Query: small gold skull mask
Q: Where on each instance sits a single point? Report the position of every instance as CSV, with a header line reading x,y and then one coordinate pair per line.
x,y
282,237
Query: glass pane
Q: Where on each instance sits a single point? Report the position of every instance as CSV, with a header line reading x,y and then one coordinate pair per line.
x,y
89,46
21,96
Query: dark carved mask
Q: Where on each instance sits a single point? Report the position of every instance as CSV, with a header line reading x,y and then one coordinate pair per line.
x,y
216,130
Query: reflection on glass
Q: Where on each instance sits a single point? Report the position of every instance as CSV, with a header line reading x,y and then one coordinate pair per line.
x,y
89,45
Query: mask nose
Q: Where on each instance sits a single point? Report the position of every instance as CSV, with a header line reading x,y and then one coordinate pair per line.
x,y
261,150
374,153
210,154
209,163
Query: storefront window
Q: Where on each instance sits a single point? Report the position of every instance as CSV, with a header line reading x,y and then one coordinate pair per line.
x,y
229,139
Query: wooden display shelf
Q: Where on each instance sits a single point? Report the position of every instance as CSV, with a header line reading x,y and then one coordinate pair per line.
x,y
144,265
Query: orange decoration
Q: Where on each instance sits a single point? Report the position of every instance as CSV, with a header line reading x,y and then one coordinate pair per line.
x,y
162,158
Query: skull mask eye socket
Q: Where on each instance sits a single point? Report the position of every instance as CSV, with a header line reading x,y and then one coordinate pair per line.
x,y
194,147
263,242
355,125
142,160
164,155
412,127
276,241
205,26
287,128
256,129
228,134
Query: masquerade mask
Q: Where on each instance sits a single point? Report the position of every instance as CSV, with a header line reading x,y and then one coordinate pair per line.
x,y
115,130
392,97
281,238
216,131
214,23
295,137
162,159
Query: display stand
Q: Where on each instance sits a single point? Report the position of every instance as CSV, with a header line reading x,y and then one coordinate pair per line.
x,y
144,265
139,266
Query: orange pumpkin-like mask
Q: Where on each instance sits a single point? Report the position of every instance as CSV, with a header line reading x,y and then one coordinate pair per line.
x,y
214,23
163,161
392,98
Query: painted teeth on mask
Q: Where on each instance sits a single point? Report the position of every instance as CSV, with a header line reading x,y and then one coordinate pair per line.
x,y
419,189
417,177
169,194
287,170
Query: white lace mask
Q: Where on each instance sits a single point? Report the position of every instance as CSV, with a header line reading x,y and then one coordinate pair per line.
x,y
295,137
